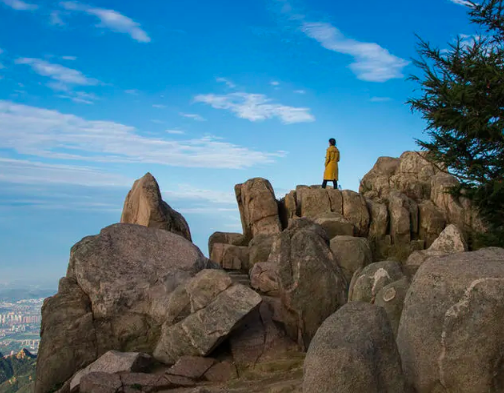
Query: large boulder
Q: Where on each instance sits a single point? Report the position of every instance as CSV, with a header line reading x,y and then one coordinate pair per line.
x,y
354,351
264,278
335,224
144,206
379,218
391,299
230,257
450,241
417,258
431,222
288,208
355,210
460,299
217,308
68,337
368,281
258,208
377,181
114,362
303,257
260,249
352,254
114,297
403,218
236,239
314,201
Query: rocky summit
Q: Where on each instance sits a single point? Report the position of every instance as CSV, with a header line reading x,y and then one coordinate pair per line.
x,y
324,291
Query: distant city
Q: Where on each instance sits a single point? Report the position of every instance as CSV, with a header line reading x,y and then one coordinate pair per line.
x,y
20,317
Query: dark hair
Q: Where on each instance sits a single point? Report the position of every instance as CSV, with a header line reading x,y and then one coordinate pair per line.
x,y
332,141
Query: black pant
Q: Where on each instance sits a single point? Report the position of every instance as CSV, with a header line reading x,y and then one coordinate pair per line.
x,y
335,182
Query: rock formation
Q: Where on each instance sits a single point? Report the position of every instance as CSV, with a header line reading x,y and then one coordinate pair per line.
x,y
450,336
354,351
144,206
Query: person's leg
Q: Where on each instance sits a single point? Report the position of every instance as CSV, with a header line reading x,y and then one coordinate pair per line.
x,y
335,184
324,184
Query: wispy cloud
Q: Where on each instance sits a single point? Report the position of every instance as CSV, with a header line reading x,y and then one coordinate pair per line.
x,y
19,5
229,83
274,83
158,106
50,134
132,92
110,19
30,172
371,62
187,192
256,107
299,91
462,2
69,58
193,116
63,77
380,99
81,97
175,132
55,18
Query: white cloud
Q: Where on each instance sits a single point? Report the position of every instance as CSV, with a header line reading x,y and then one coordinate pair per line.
x,y
55,19
187,192
229,83
159,106
29,172
175,132
299,91
69,58
371,62
256,107
193,116
380,99
63,77
19,5
275,83
50,134
81,97
462,2
110,19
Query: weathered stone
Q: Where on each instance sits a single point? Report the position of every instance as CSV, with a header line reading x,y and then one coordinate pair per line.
x,y
313,202
236,239
416,259
379,218
432,222
205,286
451,240
355,210
352,254
367,282
260,249
403,218
258,208
303,256
221,372
193,367
335,224
288,208
68,337
378,178
259,339
99,382
135,382
391,299
144,206
202,331
354,351
114,362
264,277
450,335
230,257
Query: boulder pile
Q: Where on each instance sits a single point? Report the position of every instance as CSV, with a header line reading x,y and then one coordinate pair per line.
x,y
324,291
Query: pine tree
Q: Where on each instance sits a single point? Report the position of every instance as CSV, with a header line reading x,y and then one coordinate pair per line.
x,y
462,101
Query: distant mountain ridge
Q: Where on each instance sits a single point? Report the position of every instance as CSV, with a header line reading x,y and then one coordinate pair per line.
x,y
17,372
16,294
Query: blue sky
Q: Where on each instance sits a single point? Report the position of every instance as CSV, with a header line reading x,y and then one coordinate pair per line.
x,y
204,95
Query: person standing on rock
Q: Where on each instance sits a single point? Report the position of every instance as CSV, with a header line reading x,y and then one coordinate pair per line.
x,y
331,164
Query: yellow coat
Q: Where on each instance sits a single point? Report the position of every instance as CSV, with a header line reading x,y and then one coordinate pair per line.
x,y
331,163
